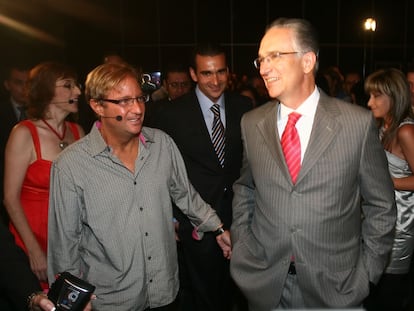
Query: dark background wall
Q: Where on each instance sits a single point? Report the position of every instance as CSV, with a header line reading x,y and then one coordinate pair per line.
x,y
150,33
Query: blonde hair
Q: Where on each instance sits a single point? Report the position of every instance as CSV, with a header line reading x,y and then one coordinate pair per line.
x,y
105,77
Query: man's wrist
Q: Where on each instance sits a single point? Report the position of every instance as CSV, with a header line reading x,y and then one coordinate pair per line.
x,y
31,300
219,231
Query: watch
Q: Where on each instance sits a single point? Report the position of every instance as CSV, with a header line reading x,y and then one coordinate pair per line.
x,y
218,231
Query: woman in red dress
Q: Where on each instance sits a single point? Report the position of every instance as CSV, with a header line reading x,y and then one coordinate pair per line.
x,y
33,144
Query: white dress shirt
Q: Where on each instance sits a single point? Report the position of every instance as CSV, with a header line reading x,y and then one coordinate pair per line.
x,y
304,125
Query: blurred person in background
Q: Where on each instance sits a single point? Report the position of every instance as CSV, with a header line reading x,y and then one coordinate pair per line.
x,y
176,82
52,95
196,121
410,78
12,111
351,79
390,103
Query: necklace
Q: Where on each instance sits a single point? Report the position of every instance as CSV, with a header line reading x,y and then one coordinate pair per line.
x,y
62,144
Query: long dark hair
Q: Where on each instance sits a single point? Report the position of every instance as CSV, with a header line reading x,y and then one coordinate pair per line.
x,y
392,83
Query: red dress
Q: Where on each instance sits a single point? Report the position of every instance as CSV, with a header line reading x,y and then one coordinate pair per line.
x,y
34,195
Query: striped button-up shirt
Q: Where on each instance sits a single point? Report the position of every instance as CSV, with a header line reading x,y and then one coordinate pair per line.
x,y
113,227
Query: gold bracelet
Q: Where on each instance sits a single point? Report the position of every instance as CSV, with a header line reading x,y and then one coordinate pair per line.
x,y
30,300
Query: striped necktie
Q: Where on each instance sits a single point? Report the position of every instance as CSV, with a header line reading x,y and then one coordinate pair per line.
x,y
291,146
218,134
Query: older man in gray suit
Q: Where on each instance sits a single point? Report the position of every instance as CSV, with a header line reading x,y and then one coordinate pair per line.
x,y
318,232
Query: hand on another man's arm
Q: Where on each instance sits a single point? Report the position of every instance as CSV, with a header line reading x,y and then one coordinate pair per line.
x,y
224,241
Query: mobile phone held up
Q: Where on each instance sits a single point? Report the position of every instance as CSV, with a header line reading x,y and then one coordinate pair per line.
x,y
70,293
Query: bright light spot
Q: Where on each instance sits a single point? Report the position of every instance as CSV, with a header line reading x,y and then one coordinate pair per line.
x,y
370,24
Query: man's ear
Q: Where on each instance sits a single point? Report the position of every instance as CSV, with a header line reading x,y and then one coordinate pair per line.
x,y
193,75
164,83
96,106
309,62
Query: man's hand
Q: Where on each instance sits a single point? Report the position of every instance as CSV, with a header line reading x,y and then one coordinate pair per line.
x,y
224,241
41,302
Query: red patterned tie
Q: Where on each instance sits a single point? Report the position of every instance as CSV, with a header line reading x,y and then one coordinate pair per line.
x,y
291,146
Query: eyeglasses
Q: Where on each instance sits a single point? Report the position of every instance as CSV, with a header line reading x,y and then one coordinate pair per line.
x,y
270,57
125,102
176,85
70,85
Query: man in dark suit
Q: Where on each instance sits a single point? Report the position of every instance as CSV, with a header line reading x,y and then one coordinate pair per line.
x,y
176,82
313,225
12,111
204,273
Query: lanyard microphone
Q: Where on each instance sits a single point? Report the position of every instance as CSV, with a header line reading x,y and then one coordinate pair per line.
x,y
70,101
118,118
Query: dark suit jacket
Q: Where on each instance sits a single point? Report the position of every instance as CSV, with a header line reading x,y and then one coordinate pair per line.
x,y
152,110
184,122
7,120
208,287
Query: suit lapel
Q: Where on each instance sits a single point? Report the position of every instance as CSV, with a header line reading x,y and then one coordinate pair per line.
x,y
232,134
194,118
324,130
197,122
268,129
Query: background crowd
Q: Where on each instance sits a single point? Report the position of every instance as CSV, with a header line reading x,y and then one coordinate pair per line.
x,y
222,167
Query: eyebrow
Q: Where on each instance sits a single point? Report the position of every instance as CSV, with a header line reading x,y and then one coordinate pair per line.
x,y
211,72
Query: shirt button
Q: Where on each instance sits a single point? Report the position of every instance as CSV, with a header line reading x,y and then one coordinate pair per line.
x,y
141,209
149,257
146,233
150,281
135,182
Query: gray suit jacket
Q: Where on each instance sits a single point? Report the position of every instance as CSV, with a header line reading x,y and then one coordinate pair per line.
x,y
337,220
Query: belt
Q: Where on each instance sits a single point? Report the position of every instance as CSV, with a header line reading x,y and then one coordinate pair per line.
x,y
292,268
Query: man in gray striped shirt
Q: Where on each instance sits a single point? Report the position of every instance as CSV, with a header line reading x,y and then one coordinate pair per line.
x,y
110,219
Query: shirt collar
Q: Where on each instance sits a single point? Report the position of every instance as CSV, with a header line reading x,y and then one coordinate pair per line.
x,y
15,104
205,102
307,108
99,145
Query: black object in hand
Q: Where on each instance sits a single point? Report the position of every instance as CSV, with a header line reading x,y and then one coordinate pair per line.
x,y
70,293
